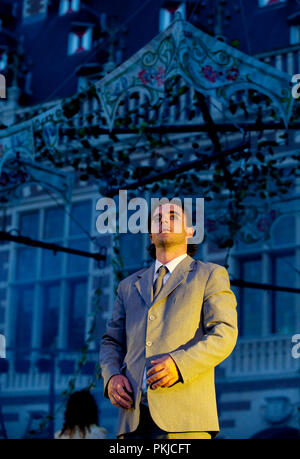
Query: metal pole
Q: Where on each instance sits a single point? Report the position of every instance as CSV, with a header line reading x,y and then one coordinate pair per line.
x,y
5,236
187,128
52,395
187,166
2,425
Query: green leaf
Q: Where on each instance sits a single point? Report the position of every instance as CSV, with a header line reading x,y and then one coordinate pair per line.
x,y
235,43
183,90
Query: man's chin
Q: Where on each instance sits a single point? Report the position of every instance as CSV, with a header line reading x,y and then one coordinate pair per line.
x,y
166,239
166,236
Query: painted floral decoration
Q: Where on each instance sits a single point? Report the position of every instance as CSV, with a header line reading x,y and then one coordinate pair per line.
x,y
212,75
152,76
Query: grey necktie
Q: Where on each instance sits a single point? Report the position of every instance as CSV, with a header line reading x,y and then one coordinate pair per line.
x,y
159,281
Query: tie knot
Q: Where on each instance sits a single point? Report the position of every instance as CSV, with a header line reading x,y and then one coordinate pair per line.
x,y
162,270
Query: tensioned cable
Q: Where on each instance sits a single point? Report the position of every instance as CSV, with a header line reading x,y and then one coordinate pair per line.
x,y
193,11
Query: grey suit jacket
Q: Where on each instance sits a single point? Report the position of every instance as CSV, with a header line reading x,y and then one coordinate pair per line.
x,y
193,319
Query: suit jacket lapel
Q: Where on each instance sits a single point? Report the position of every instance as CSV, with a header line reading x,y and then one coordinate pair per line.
x,y
144,284
179,275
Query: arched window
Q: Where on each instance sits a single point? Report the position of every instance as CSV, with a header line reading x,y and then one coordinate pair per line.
x,y
68,6
167,13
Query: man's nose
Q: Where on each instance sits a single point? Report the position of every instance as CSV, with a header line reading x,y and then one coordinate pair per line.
x,y
165,220
166,223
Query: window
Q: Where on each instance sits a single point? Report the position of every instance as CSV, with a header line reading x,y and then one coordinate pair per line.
x,y
131,251
269,2
284,303
51,303
55,281
80,218
75,263
35,9
26,265
294,34
167,13
27,83
80,39
3,59
29,224
77,312
24,315
250,305
80,222
53,232
4,256
54,223
68,6
282,313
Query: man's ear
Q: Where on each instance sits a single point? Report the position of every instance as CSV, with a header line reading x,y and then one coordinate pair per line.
x,y
150,235
189,231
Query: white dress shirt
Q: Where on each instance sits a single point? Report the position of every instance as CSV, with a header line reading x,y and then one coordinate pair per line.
x,y
171,265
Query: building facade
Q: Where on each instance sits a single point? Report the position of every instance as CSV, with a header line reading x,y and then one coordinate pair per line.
x,y
49,50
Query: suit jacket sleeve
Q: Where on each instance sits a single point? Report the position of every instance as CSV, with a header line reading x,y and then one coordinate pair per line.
x,y
113,342
220,327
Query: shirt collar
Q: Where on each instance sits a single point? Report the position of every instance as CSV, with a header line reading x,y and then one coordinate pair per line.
x,y
171,265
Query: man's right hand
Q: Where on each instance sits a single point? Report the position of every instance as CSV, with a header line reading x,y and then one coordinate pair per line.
x,y
117,390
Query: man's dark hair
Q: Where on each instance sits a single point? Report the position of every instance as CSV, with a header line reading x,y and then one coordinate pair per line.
x,y
191,248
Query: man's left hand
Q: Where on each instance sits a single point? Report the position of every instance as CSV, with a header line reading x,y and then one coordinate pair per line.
x,y
164,372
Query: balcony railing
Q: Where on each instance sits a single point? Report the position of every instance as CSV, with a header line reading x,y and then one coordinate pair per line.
x,y
257,357
286,59
37,370
265,356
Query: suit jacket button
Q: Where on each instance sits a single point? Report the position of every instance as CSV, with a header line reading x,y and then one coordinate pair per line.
x,y
152,317
149,343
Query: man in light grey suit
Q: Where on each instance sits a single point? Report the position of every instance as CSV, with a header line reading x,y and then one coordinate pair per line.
x,y
171,325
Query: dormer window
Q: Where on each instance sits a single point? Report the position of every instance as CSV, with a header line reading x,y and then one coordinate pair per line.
x,y
3,59
294,34
80,39
68,6
270,2
167,13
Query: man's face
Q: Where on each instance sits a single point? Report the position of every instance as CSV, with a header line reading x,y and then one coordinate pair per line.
x,y
168,226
